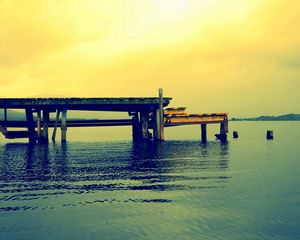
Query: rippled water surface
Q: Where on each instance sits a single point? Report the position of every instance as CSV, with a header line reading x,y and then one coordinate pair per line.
x,y
177,189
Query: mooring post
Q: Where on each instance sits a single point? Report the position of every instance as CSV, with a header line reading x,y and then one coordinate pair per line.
x,y
270,135
64,125
45,137
204,133
55,126
30,125
235,134
144,124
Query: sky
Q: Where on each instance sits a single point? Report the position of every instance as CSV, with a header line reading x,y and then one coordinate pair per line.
x,y
240,57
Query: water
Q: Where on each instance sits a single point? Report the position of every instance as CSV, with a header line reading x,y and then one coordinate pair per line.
x,y
177,189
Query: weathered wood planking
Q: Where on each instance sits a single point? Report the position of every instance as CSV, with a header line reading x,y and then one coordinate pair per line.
x,y
96,104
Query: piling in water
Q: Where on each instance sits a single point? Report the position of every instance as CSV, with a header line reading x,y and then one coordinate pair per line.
x,y
235,134
270,135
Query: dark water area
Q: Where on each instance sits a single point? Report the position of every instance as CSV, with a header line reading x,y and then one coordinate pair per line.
x,y
247,188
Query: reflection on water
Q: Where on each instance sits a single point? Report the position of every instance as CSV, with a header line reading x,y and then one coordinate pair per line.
x,y
39,172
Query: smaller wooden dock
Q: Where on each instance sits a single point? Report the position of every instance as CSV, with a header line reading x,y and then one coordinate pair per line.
x,y
149,117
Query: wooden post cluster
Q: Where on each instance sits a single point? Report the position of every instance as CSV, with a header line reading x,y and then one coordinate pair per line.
x,y
142,121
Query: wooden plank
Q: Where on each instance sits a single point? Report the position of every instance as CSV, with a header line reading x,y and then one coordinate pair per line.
x,y
93,104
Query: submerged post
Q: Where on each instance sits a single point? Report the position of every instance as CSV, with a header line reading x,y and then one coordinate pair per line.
x,y
204,133
270,135
64,125
55,126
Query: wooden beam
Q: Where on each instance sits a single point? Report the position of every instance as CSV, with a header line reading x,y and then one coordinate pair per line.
x,y
64,125
55,125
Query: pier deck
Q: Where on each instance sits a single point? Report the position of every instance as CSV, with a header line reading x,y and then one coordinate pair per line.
x,y
146,114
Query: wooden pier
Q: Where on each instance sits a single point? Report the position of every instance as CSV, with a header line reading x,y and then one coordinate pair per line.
x,y
147,114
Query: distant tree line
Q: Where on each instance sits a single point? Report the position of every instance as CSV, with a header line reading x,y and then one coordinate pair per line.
x,y
285,117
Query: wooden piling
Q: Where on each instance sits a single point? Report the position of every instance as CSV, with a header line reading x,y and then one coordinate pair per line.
x,y
135,127
235,134
204,133
270,135
222,136
144,125
45,135
5,117
55,125
30,125
64,125
158,129
38,123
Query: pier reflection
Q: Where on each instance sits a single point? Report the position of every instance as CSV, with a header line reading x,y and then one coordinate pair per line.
x,y
83,167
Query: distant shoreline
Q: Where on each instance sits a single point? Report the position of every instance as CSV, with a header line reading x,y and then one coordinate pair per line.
x,y
285,117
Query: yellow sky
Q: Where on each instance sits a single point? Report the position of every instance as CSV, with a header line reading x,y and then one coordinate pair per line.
x,y
241,57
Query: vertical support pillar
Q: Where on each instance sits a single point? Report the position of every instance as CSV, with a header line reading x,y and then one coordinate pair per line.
x,y
159,118
144,125
38,123
135,127
30,125
204,133
223,131
55,126
156,125
45,137
64,125
5,117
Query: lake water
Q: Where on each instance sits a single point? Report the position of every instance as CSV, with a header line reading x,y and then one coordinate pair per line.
x,y
102,186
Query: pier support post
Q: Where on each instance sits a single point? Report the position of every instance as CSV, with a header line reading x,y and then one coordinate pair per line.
x,y
30,125
38,124
55,126
5,117
203,133
44,138
64,125
158,128
144,125
135,127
